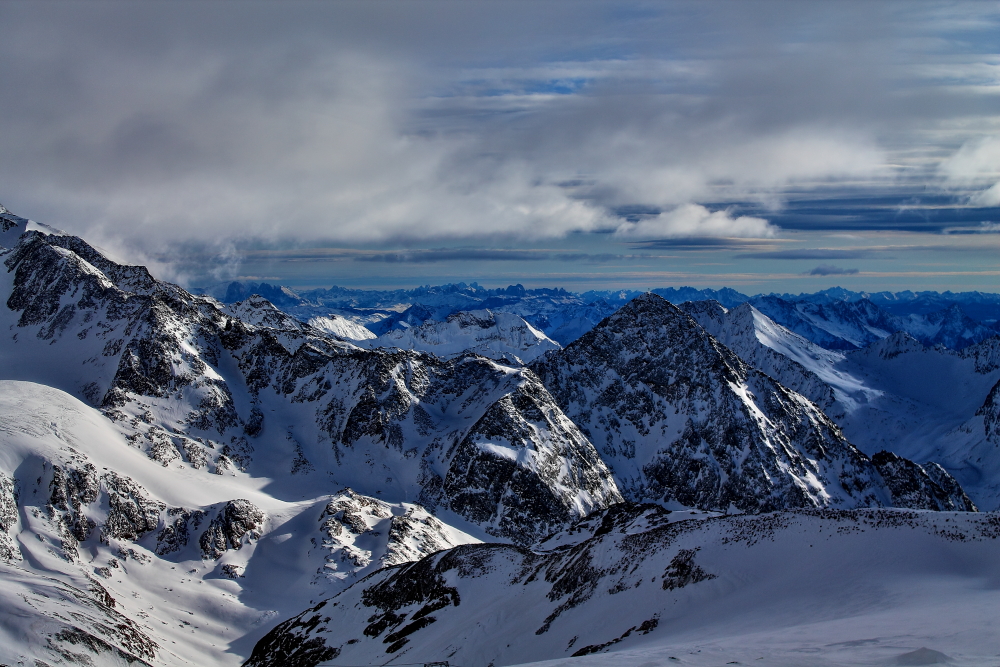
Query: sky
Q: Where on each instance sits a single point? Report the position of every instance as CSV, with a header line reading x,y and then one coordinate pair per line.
x,y
764,146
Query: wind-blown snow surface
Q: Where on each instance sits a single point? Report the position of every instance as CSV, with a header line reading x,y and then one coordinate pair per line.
x,y
499,335
821,587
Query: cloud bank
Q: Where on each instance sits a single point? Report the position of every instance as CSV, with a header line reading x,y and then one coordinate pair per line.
x,y
694,221
236,126
830,270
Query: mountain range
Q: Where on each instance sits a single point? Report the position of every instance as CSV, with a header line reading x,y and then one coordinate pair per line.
x,y
182,475
835,318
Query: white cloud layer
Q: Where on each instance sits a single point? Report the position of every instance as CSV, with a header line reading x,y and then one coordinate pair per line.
x,y
693,220
972,164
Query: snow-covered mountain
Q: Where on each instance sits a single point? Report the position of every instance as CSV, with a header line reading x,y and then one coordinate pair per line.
x,y
835,318
678,417
924,403
197,385
847,325
497,335
633,585
769,347
838,325
562,316
163,448
341,327
106,555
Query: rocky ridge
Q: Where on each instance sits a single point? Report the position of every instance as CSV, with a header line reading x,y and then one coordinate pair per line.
x,y
192,384
680,418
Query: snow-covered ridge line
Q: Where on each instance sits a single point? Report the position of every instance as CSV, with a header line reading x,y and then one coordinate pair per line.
x,y
638,583
502,336
680,418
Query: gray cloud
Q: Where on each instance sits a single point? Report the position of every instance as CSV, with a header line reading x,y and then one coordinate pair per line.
x,y
811,253
486,255
143,125
830,270
698,243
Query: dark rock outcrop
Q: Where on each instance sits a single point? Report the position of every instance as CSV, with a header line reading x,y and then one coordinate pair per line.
x,y
928,487
236,521
679,417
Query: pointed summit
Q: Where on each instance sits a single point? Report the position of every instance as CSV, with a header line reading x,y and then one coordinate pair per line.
x,y
679,417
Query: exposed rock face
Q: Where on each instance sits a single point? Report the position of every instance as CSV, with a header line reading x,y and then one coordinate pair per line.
x,y
176,534
258,311
9,551
990,412
679,417
363,534
69,491
928,487
131,512
414,535
238,520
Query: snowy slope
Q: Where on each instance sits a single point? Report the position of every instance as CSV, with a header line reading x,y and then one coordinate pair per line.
x,y
847,325
838,325
496,335
796,362
678,417
932,407
859,587
194,565
341,326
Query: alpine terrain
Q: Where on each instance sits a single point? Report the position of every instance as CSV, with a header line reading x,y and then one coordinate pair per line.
x,y
485,477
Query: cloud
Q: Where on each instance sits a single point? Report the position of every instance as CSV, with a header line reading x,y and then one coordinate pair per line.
x,y
971,164
486,255
830,270
149,125
692,221
987,198
983,228
810,253
698,243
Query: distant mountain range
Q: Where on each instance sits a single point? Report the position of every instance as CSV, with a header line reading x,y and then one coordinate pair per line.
x,y
835,318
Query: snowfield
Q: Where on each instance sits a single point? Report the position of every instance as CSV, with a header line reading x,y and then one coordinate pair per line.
x,y
821,587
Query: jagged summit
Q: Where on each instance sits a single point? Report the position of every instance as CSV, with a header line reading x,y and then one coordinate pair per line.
x,y
679,417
